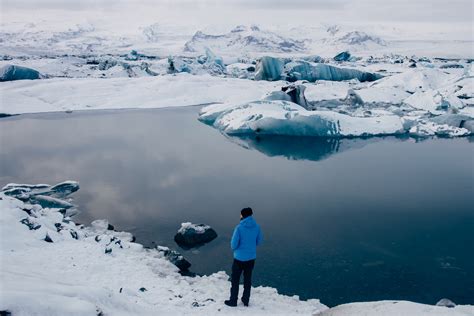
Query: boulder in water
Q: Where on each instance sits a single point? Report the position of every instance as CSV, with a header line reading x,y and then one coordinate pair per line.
x,y
192,235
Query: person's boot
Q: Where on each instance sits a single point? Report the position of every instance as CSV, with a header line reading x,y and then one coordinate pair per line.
x,y
246,303
230,303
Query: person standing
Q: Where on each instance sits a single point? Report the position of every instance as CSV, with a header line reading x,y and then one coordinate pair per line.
x,y
245,239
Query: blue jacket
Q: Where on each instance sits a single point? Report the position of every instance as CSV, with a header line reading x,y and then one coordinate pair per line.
x,y
246,237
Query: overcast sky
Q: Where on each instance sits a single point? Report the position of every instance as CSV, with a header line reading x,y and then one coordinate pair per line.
x,y
377,10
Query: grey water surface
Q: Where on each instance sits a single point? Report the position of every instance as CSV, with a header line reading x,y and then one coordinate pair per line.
x,y
343,220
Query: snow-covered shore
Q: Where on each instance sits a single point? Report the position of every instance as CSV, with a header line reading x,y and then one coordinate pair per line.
x,y
52,266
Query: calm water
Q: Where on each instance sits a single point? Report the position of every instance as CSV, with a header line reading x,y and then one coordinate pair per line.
x,y
343,221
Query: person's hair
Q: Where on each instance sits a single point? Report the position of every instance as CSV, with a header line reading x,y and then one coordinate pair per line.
x,y
246,212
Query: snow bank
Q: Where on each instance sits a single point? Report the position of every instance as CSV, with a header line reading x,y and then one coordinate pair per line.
x,y
147,92
395,308
51,266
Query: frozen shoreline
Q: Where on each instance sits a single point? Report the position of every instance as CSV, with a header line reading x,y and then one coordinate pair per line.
x,y
83,270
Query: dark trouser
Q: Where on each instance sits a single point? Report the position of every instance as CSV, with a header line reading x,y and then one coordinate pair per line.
x,y
237,268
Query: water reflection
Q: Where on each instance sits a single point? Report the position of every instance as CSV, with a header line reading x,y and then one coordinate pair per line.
x,y
304,148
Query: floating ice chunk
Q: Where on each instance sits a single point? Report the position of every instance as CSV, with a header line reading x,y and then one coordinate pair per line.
x,y
208,63
383,95
455,120
292,93
192,235
425,128
353,99
210,113
326,90
269,68
303,70
287,118
344,56
417,79
432,101
13,72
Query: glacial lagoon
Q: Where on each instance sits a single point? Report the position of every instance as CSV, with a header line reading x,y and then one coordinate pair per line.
x,y
343,220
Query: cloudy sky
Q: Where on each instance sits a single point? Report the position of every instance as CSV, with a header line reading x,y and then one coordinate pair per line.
x,y
374,10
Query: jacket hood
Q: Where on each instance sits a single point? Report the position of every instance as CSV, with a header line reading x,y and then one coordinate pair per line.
x,y
248,222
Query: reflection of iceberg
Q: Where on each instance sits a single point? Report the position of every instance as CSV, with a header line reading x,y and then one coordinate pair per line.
x,y
303,148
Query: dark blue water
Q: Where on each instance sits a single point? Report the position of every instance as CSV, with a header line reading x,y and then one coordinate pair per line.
x,y
350,220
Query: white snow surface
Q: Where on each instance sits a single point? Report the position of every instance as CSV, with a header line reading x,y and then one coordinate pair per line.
x,y
77,277
200,229
146,92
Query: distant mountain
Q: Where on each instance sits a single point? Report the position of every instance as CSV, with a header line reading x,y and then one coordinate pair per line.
x,y
244,39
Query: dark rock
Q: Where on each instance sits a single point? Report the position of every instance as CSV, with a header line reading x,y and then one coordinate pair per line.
x,y
74,234
108,250
5,313
47,238
142,289
296,93
175,258
110,227
344,56
251,68
192,235
58,226
31,226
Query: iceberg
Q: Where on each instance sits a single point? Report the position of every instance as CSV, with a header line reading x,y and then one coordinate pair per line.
x,y
13,72
303,70
287,118
292,93
344,56
271,68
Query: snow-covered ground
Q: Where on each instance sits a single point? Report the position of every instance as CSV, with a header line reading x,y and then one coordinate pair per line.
x,y
52,266
151,55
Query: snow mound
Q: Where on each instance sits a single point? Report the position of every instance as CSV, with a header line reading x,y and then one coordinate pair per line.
x,y
417,79
395,308
244,39
287,118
